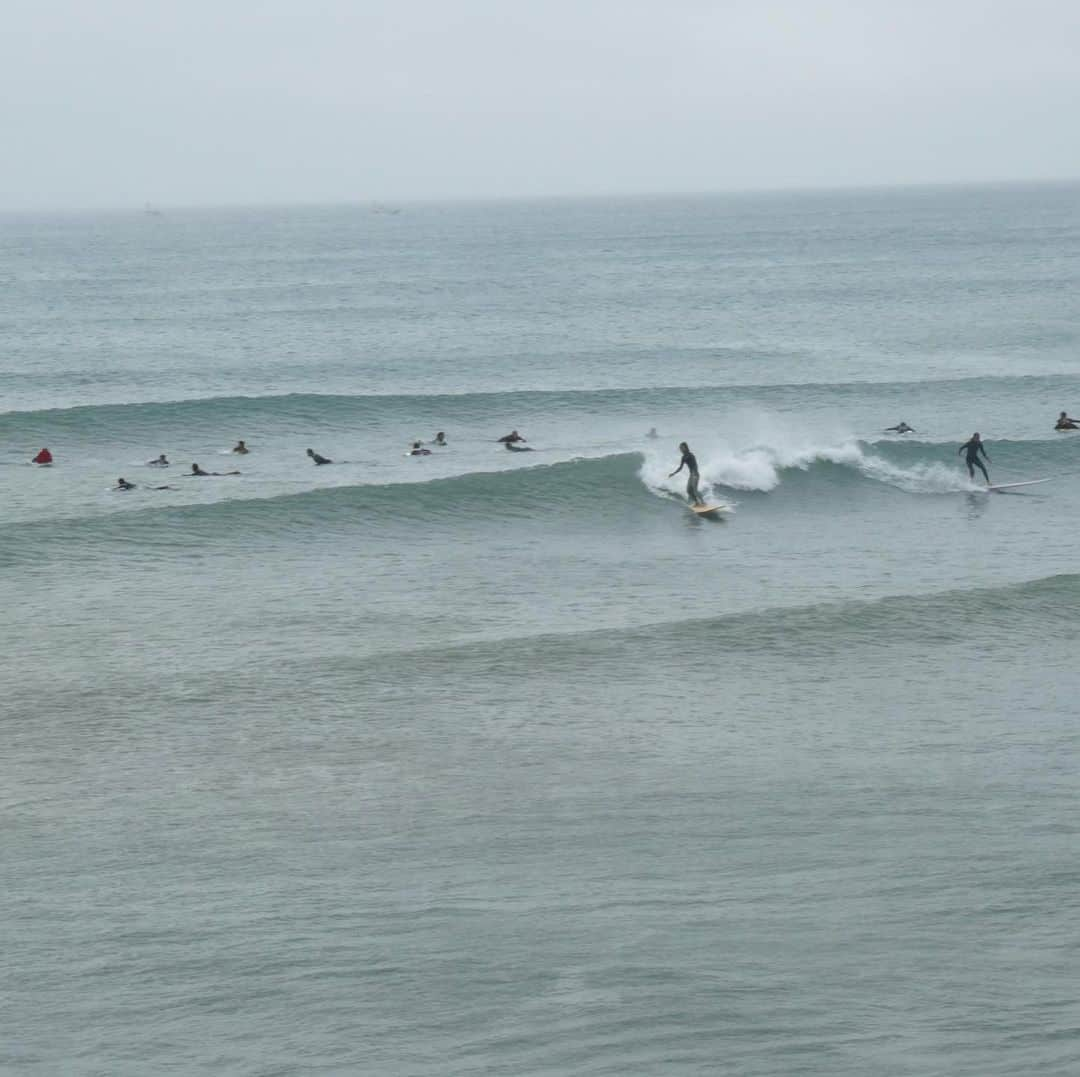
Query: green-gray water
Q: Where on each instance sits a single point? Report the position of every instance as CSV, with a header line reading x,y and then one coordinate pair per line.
x,y
500,763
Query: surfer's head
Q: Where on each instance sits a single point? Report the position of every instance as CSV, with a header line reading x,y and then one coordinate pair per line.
x,y
683,447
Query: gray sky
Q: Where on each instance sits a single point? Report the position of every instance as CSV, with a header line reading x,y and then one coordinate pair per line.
x,y
119,102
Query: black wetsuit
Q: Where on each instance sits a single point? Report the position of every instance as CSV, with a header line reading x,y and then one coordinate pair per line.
x,y
972,448
320,459
689,461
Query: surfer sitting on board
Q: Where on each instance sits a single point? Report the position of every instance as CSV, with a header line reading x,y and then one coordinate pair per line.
x,y
419,450
317,458
159,462
973,448
511,438
440,440
689,461
900,428
241,449
1066,423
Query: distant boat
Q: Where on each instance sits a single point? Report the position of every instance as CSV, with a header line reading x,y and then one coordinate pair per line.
x,y
387,211
150,211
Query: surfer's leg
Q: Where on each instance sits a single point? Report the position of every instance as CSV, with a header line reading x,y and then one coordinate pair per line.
x,y
978,464
692,490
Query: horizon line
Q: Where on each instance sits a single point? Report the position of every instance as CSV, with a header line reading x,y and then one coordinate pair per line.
x,y
393,203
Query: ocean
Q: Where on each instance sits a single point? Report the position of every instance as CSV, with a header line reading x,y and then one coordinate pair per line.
x,y
487,762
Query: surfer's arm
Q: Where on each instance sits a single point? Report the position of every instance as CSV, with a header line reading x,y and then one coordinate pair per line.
x,y
677,470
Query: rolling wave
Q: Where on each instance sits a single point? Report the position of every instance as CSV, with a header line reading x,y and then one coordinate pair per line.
x,y
598,485
303,411
821,630
616,485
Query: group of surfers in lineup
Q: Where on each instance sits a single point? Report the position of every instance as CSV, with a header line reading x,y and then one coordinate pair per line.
x,y
514,442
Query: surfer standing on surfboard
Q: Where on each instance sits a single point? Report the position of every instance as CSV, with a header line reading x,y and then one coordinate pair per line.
x,y
689,461
973,448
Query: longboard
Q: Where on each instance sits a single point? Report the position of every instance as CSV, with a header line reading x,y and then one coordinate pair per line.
x,y
709,510
1013,485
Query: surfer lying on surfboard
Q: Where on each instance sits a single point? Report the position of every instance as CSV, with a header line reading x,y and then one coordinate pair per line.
x,y
197,472
689,461
973,447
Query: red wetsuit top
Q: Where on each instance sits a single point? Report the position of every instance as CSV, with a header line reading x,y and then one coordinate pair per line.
x,y
43,457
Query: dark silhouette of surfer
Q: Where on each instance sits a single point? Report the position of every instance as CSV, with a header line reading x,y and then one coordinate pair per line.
x,y
198,472
972,447
689,461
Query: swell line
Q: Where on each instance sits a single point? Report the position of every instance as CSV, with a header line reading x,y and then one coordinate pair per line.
x,y
328,404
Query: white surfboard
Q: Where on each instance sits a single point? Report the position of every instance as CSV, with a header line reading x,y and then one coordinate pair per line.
x,y
1014,485
709,510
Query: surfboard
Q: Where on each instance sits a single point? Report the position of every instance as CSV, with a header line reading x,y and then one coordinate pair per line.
x,y
1013,485
709,510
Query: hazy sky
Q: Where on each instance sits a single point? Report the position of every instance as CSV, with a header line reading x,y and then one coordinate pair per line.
x,y
119,102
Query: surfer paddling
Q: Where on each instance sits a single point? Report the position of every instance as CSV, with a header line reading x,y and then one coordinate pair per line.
x,y
241,449
198,472
689,461
972,448
510,439
900,428
123,484
317,459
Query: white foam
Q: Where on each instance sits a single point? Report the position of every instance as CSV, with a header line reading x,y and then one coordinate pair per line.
x,y
754,457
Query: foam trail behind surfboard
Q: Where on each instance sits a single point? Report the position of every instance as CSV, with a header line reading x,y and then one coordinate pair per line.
x,y
1012,485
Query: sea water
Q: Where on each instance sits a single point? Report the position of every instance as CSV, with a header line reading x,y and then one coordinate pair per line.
x,y
484,762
